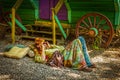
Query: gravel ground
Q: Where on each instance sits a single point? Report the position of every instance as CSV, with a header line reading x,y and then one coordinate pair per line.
x,y
107,61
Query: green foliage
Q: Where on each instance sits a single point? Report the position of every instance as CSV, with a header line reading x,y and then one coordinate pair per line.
x,y
97,42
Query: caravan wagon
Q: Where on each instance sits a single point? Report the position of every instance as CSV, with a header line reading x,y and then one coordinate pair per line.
x,y
96,20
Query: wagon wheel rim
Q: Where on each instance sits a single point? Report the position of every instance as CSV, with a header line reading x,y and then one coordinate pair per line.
x,y
100,27
7,19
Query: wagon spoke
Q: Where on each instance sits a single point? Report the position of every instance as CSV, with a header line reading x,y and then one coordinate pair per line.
x,y
83,30
94,21
90,21
103,41
85,23
105,36
99,22
81,27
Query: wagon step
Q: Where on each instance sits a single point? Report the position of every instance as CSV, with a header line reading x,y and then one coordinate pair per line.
x,y
45,32
31,37
59,41
1,24
49,24
38,30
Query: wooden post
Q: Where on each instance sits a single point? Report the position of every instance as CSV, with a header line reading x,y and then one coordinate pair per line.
x,y
14,8
53,27
17,4
13,25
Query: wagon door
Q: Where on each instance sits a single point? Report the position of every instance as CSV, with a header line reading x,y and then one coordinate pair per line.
x,y
45,10
62,14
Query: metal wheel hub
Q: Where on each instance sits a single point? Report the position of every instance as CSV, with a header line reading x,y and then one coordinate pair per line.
x,y
93,32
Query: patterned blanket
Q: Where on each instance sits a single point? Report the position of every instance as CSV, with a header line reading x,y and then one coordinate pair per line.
x,y
76,54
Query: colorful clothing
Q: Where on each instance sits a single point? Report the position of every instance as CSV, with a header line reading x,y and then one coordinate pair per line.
x,y
76,55
85,51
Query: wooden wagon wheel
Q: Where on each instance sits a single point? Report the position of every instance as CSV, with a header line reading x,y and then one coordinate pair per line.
x,y
95,27
7,20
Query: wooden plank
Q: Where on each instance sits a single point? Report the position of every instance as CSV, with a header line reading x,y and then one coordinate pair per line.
x,y
53,27
58,6
17,4
1,24
13,25
49,24
31,37
44,32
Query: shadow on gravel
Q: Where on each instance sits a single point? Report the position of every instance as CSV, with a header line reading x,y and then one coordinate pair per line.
x,y
111,72
17,69
27,69
6,68
94,53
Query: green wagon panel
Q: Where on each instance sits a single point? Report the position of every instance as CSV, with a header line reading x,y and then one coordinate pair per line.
x,y
109,8
27,11
27,15
82,7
